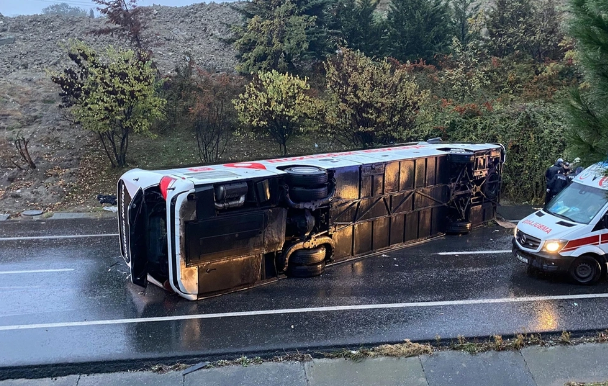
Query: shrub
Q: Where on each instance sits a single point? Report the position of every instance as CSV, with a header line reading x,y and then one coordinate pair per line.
x,y
533,134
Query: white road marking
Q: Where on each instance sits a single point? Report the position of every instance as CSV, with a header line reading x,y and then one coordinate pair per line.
x,y
56,237
303,311
474,252
37,271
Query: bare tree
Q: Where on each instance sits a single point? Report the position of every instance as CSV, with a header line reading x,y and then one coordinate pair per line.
x,y
20,143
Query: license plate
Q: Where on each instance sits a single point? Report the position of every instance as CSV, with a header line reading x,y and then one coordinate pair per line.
x,y
521,258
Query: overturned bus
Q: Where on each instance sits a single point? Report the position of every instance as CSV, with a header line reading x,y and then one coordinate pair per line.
x,y
203,231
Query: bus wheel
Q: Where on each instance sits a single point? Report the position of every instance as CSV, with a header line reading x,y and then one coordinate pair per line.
x,y
308,256
461,157
585,270
305,270
306,176
308,194
459,227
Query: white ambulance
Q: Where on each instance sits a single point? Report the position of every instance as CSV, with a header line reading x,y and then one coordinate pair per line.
x,y
570,234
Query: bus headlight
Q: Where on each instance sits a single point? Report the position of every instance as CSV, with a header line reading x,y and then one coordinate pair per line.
x,y
554,245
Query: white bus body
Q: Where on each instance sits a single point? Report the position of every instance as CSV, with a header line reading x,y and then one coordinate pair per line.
x,y
203,231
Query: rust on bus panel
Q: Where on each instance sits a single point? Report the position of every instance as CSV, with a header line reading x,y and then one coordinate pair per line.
x,y
238,225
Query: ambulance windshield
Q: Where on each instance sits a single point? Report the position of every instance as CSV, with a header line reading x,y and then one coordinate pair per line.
x,y
577,202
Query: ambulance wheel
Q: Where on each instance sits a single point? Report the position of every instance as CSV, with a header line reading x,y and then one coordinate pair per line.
x,y
305,270
532,271
306,176
585,270
311,256
459,227
299,194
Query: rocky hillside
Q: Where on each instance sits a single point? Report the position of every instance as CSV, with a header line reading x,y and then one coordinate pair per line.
x,y
33,46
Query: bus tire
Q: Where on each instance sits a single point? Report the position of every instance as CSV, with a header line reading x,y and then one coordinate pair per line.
x,y
299,194
306,176
305,270
459,227
492,186
585,270
308,256
461,157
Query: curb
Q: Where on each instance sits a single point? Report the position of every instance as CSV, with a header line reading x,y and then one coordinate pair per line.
x,y
60,216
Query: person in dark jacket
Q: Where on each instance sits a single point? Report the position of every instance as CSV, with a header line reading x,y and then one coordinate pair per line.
x,y
557,184
554,170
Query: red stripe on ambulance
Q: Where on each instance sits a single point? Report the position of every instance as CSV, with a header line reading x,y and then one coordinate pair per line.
x,y
573,244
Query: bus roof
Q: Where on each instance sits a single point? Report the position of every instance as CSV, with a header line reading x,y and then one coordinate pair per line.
x,y
266,168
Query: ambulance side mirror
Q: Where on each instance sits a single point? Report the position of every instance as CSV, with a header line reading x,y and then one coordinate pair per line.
x,y
605,221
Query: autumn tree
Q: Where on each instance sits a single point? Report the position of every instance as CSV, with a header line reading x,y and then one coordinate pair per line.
x,y
124,18
588,107
277,105
213,116
418,29
370,103
113,96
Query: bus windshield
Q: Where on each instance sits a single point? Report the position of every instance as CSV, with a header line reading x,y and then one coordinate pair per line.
x,y
577,202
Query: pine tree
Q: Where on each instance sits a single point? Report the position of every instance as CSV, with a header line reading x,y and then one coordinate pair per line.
x,y
509,27
464,11
282,34
588,107
359,27
418,29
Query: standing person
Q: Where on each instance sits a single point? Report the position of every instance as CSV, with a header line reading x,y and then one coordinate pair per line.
x,y
549,175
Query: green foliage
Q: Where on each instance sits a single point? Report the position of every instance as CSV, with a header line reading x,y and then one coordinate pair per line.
x,y
418,29
524,27
179,92
63,9
360,28
115,97
370,103
277,105
213,115
464,78
533,134
547,37
282,35
588,107
464,14
509,26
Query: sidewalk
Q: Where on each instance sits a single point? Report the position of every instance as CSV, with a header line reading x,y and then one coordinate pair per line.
x,y
557,365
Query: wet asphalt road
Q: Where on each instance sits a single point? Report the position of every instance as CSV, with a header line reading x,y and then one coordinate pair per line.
x,y
48,284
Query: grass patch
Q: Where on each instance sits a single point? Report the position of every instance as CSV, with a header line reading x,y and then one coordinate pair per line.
x,y
405,349
401,350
